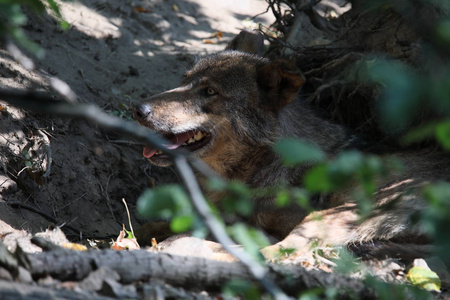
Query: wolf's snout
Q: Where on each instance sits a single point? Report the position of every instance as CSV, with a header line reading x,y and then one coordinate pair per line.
x,y
141,111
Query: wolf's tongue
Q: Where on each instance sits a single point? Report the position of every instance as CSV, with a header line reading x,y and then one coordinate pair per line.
x,y
148,151
175,142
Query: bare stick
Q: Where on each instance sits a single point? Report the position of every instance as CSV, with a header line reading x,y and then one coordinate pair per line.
x,y
129,218
46,142
202,208
18,55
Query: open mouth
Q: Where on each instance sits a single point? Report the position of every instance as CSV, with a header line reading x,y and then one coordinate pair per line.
x,y
192,140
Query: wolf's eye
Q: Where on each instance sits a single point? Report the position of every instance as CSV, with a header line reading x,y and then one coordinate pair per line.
x,y
210,91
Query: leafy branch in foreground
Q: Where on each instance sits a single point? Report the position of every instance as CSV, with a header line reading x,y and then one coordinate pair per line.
x,y
12,18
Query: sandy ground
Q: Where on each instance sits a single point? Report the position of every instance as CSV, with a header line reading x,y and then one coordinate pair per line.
x,y
66,172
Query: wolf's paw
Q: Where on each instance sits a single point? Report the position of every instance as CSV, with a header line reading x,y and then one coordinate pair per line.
x,y
271,253
291,245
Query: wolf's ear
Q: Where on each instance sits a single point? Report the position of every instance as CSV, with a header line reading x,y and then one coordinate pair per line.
x,y
280,81
247,41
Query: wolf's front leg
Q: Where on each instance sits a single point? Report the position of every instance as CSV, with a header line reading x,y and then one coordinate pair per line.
x,y
334,226
387,225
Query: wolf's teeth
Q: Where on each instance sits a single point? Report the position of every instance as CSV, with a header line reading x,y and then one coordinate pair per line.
x,y
158,152
198,136
191,140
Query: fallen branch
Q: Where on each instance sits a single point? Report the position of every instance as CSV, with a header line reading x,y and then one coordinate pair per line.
x,y
15,290
191,273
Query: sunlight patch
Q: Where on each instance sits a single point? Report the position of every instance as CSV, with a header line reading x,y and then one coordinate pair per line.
x,y
91,22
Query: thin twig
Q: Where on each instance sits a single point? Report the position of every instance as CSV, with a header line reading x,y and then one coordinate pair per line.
x,y
261,13
129,217
106,195
63,89
23,169
18,55
58,209
217,230
46,142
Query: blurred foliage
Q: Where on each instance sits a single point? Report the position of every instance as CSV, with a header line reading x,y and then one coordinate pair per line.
x,y
414,104
412,93
295,152
168,202
13,17
236,196
243,288
348,166
346,263
319,293
251,239
406,91
387,291
436,218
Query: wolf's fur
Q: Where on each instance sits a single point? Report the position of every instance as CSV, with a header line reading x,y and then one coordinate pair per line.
x,y
246,103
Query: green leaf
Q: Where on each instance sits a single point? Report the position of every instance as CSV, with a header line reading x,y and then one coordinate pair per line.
x,y
438,195
317,180
301,197
347,163
251,239
20,37
15,15
312,294
401,92
237,198
294,152
345,167
241,287
424,278
282,198
434,219
129,234
419,134
181,224
346,263
366,174
216,184
64,24
54,6
443,134
164,202
285,252
443,31
37,5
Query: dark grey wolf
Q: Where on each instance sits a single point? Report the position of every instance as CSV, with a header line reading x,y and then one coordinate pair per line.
x,y
230,109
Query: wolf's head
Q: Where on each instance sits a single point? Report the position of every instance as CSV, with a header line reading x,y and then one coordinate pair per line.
x,y
227,104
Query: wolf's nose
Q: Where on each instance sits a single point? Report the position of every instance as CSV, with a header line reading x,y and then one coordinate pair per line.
x,y
141,111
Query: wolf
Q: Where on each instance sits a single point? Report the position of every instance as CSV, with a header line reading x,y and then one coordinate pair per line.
x,y
230,109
